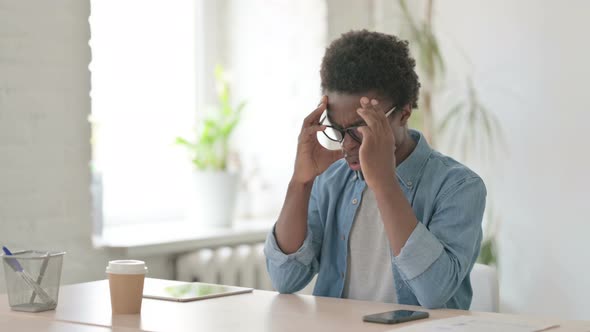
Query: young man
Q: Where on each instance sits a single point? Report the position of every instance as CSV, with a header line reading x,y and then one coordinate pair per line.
x,y
386,218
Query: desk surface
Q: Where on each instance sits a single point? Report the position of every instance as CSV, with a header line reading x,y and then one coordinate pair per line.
x,y
89,303
28,324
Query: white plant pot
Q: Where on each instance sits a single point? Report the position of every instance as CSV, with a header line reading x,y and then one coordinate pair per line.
x,y
213,198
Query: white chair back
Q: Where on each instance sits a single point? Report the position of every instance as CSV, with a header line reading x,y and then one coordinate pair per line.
x,y
486,293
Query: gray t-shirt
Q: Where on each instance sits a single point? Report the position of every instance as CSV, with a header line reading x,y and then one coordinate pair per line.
x,y
369,273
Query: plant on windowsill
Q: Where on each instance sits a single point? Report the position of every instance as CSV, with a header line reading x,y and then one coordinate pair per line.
x,y
215,187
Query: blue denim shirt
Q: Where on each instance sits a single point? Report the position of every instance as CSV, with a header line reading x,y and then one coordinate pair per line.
x,y
432,269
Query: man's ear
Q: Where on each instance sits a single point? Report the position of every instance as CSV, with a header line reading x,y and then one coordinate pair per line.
x,y
406,113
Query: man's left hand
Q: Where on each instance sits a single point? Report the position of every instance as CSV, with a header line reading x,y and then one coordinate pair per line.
x,y
377,151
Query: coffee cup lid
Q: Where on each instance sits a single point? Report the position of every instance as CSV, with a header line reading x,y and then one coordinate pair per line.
x,y
127,266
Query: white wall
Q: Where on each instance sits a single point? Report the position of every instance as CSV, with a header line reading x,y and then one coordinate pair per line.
x,y
45,135
531,65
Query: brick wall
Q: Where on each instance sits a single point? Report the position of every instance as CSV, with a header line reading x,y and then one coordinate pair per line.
x,y
44,132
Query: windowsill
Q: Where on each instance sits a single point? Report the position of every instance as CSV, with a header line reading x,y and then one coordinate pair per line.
x,y
140,240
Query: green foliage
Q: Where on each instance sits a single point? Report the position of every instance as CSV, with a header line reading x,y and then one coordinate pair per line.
x,y
488,254
470,128
210,149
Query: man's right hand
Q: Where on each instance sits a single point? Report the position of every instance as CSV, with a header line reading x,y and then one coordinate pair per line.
x,y
312,158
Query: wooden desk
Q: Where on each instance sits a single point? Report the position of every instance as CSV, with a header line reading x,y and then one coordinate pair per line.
x,y
89,303
32,324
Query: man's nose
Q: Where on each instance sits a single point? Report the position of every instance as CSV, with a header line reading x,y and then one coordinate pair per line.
x,y
348,143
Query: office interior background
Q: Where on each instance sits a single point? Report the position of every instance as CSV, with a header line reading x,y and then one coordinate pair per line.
x,y
93,95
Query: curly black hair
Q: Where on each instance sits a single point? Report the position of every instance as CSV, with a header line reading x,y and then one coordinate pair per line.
x,y
361,61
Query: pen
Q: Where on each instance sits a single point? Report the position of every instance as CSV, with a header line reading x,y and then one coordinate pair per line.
x,y
15,265
41,274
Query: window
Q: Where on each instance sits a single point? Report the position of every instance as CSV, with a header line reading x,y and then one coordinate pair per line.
x,y
143,96
152,62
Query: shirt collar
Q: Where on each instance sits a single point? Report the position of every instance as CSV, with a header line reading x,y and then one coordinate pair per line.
x,y
410,169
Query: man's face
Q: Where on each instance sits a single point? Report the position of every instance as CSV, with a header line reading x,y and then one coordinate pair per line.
x,y
342,114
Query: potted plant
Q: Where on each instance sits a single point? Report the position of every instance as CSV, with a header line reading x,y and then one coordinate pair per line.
x,y
214,185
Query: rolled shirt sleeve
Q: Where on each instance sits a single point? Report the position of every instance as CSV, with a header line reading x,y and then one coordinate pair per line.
x,y
291,273
437,257
304,255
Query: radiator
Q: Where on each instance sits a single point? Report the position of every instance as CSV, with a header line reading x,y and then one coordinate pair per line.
x,y
243,265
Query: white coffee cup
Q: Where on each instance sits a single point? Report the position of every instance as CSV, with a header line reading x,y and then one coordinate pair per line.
x,y
126,279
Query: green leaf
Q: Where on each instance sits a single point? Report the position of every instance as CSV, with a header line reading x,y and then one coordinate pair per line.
x,y
240,107
435,51
218,72
211,125
199,164
487,124
451,115
413,26
184,142
487,254
229,127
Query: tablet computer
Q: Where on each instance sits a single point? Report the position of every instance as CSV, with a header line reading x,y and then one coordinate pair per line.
x,y
179,291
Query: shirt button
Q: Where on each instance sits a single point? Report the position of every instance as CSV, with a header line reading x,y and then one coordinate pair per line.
x,y
409,183
342,237
342,275
354,201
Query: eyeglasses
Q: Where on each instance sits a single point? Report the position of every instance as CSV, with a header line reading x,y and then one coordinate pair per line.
x,y
336,134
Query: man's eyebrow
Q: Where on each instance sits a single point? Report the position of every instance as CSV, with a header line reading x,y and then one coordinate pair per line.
x,y
330,119
360,122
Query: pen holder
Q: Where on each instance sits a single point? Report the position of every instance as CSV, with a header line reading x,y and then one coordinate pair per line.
x,y
33,279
